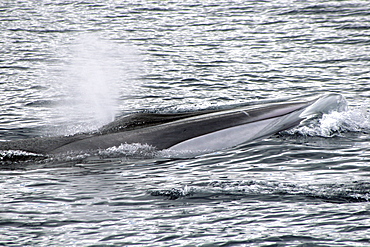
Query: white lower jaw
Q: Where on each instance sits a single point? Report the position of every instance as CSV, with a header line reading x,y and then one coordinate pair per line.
x,y
237,135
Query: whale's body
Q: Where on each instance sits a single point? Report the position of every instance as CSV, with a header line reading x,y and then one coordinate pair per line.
x,y
195,132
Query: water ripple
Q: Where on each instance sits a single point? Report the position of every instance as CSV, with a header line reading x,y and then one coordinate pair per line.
x,y
308,186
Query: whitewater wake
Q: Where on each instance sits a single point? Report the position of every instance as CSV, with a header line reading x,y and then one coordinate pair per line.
x,y
335,193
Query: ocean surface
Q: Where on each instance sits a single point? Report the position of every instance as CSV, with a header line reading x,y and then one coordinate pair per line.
x,y
72,66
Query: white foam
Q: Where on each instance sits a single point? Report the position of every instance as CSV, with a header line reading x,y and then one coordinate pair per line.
x,y
335,123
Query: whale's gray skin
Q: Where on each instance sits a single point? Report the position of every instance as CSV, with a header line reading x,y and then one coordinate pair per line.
x,y
187,132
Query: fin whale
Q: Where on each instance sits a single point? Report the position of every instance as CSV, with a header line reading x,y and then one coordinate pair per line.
x,y
195,132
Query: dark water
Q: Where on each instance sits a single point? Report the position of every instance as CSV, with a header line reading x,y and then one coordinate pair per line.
x,y
70,66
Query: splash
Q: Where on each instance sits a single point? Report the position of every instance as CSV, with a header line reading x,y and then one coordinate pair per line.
x,y
335,123
95,74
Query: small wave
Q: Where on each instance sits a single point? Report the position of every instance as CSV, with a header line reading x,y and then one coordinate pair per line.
x,y
335,193
335,123
135,150
183,154
125,150
174,193
17,155
128,150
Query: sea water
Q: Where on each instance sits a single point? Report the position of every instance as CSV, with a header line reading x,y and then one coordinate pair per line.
x,y
72,66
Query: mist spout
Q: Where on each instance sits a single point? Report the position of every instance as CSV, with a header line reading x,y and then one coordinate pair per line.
x,y
95,73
